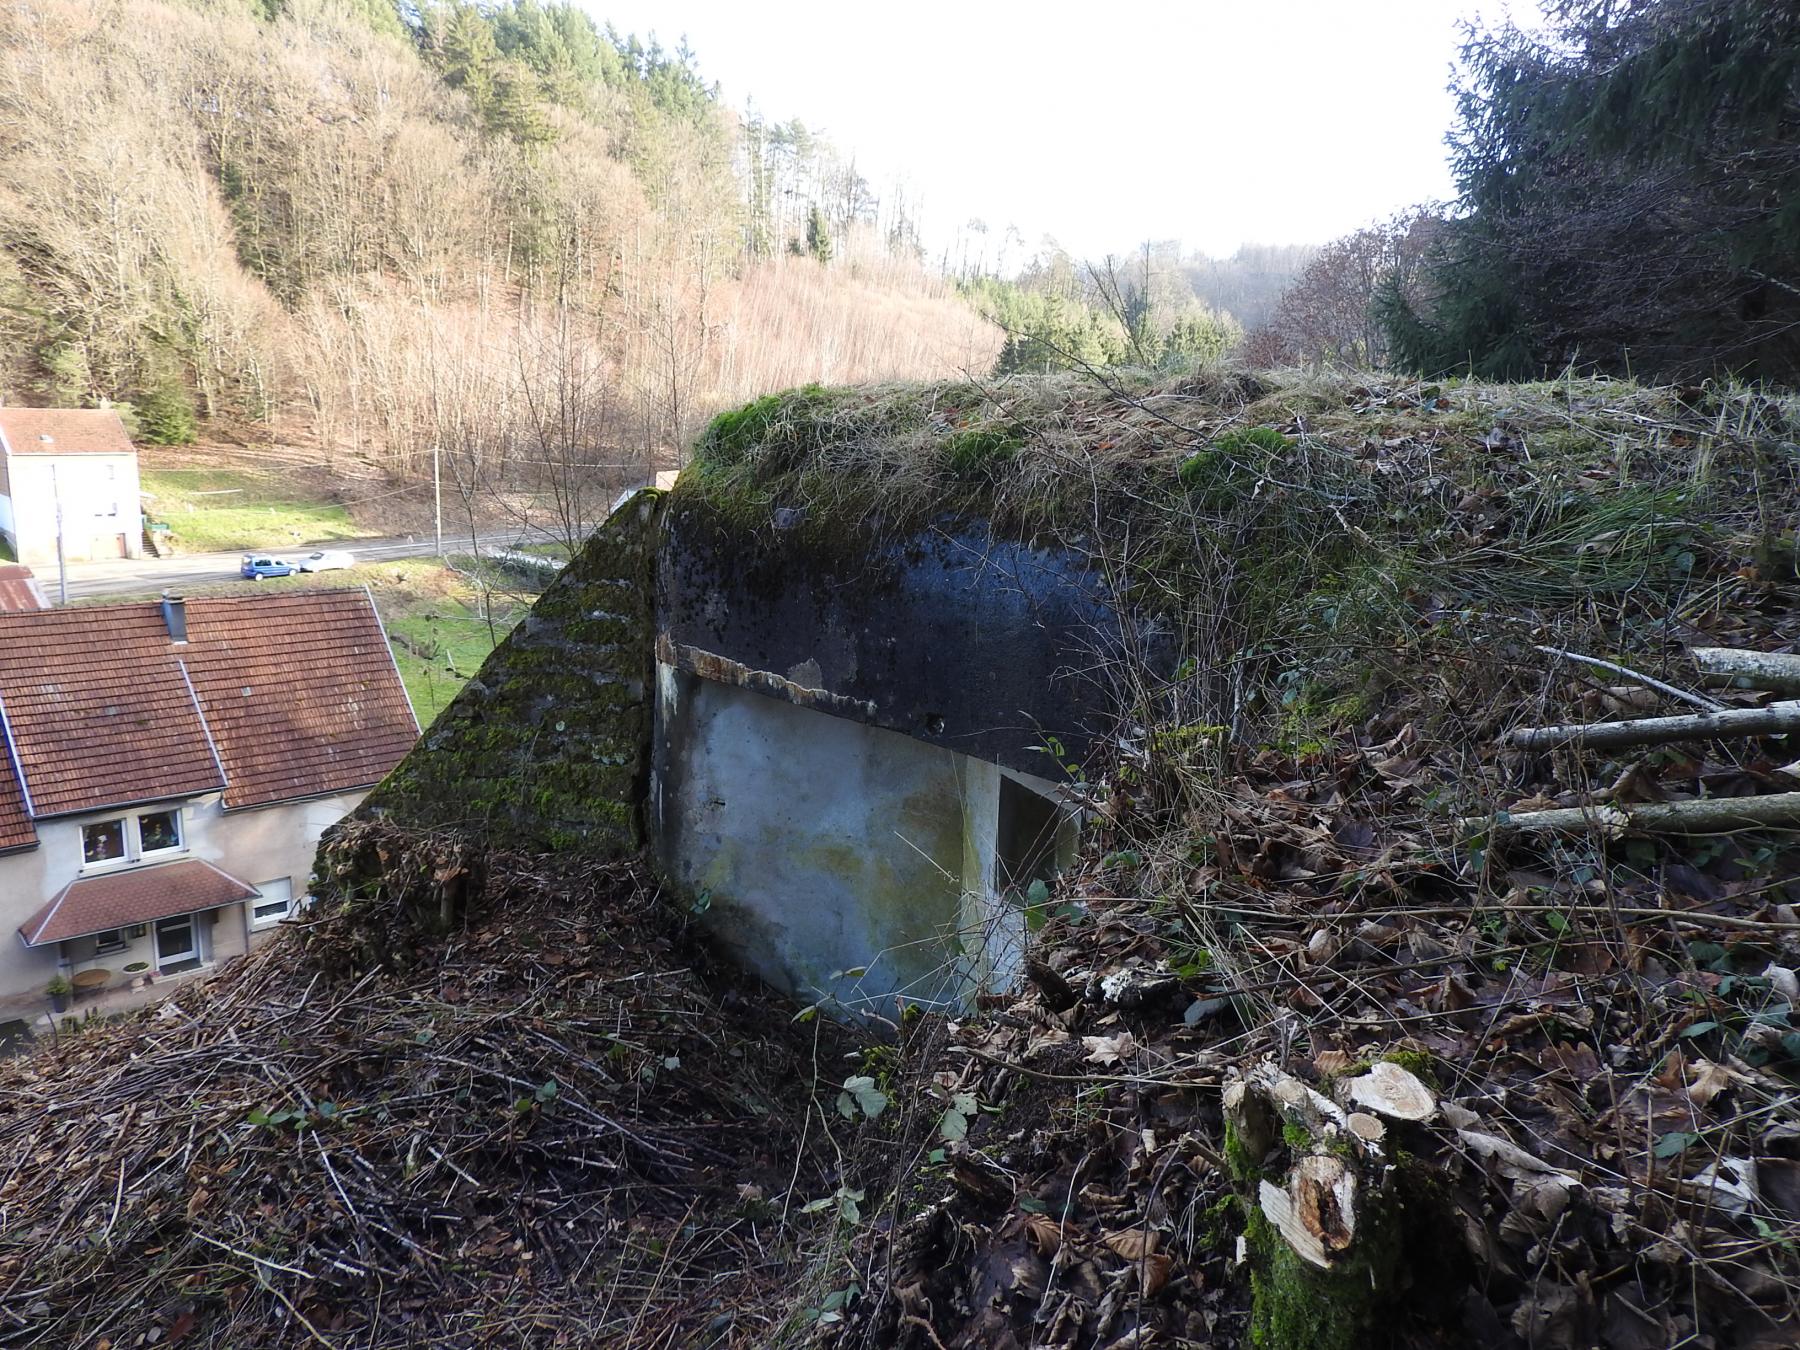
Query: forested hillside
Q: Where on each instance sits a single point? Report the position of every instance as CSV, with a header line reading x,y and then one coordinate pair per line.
x,y
320,221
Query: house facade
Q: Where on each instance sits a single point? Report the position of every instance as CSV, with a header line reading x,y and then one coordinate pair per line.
x,y
74,463
166,771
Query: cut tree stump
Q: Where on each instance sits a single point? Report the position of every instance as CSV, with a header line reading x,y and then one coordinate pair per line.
x,y
1326,1234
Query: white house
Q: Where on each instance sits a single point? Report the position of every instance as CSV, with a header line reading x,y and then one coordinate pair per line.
x,y
74,462
166,770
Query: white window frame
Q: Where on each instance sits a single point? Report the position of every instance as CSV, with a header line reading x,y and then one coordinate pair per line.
x,y
131,825
259,922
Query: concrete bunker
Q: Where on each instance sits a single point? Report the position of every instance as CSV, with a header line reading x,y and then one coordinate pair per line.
x,y
851,757
858,760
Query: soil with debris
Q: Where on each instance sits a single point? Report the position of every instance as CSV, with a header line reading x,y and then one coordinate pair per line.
x,y
1308,859
560,1129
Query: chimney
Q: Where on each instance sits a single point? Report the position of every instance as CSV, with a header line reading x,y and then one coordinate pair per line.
x,y
174,612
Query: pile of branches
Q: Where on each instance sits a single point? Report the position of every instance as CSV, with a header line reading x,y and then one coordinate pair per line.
x,y
553,1134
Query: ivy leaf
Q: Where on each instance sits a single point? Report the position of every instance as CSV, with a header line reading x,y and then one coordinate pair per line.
x,y
1699,1029
954,1127
860,1093
1674,1142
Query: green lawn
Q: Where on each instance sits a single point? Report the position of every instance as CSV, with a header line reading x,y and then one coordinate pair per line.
x,y
222,510
435,622
439,645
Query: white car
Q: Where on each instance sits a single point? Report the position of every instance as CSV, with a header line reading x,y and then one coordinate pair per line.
x,y
328,561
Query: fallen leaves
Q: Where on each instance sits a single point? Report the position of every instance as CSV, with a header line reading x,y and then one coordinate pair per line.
x,y
1109,1050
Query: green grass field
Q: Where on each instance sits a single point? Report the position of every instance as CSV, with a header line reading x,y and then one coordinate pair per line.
x,y
441,641
220,510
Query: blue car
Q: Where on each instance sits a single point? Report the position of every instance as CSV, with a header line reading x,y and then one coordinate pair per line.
x,y
256,566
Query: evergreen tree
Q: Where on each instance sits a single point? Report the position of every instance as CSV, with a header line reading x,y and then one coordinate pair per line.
x,y
165,412
1630,186
818,235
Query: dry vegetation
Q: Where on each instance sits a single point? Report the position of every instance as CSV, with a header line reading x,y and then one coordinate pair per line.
x,y
547,1131
1368,583
1293,864
301,222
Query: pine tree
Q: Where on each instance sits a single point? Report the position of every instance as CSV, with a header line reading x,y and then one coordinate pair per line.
x,y
1630,188
818,235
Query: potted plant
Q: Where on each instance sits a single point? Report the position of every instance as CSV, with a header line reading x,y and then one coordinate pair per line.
x,y
139,972
58,989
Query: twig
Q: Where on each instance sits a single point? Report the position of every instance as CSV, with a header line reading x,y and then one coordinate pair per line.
x,y
1648,681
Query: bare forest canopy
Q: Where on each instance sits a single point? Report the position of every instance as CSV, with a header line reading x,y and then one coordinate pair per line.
x,y
378,230
1154,308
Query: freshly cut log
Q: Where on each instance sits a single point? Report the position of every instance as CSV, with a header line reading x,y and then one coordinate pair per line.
x,y
1391,1091
1760,670
1733,722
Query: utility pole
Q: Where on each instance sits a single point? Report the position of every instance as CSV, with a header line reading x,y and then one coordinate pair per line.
x,y
62,564
437,499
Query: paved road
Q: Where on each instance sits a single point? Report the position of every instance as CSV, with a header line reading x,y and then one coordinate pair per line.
x,y
146,576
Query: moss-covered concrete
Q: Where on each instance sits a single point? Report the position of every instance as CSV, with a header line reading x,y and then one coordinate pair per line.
x,y
546,749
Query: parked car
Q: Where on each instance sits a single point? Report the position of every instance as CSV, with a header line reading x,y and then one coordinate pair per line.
x,y
331,560
256,566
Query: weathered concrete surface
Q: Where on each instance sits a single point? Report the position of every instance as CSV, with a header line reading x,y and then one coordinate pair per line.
x,y
838,860
844,736
547,747
955,637
830,754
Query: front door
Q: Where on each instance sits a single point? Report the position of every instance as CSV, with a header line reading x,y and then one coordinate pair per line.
x,y
176,941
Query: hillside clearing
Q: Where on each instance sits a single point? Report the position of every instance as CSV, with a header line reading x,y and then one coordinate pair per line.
x,y
217,510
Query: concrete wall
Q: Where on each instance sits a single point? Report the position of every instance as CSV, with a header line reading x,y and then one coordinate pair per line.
x,y
834,749
839,861
100,502
547,747
255,846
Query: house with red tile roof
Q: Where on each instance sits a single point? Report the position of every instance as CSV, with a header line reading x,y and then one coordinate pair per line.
x,y
72,471
167,768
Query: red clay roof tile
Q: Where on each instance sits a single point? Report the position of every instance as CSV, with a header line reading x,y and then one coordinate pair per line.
x,y
273,697
19,589
71,431
300,691
141,895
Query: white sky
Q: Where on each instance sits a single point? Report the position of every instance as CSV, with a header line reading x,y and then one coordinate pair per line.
x,y
1214,121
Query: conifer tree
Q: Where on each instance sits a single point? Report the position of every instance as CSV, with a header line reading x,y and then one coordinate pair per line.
x,y
1630,184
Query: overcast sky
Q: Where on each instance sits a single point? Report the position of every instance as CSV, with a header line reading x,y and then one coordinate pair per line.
x,y
1214,121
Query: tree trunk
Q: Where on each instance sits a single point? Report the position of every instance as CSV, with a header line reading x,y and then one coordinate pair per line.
x,y
1325,1235
1694,817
